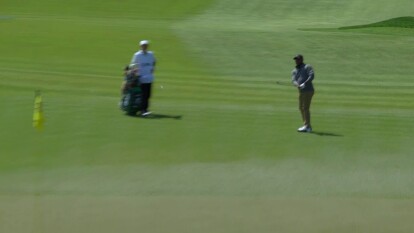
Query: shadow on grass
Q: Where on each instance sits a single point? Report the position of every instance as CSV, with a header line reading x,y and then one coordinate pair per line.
x,y
326,134
156,116
399,22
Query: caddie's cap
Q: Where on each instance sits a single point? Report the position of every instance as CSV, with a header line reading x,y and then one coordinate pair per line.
x,y
144,42
298,56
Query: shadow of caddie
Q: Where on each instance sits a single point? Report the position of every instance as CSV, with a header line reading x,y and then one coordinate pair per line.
x,y
156,116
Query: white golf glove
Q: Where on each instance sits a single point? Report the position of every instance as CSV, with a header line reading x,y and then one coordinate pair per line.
x,y
301,86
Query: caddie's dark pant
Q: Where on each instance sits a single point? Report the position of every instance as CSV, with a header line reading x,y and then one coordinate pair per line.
x,y
146,94
305,99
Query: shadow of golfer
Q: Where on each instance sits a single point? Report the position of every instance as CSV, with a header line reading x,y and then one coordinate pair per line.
x,y
156,116
326,134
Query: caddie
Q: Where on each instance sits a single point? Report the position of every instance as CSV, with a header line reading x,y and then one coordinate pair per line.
x,y
145,61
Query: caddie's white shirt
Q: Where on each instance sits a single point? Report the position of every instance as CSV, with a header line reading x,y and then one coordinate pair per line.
x,y
145,63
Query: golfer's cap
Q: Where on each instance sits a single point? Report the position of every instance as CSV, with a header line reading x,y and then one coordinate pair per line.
x,y
144,42
298,56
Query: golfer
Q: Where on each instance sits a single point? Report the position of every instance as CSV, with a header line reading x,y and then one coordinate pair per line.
x,y
302,77
145,62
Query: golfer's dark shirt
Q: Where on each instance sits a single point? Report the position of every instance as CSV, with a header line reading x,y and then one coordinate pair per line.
x,y
304,73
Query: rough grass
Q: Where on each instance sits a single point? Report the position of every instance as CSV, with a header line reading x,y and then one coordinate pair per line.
x,y
170,214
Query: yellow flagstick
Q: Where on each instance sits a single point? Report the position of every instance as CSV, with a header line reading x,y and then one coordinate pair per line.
x,y
38,118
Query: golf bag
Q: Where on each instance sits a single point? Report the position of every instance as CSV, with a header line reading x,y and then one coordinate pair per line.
x,y
131,101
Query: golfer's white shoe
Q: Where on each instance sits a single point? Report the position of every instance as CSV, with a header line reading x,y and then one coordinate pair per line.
x,y
305,129
145,114
302,128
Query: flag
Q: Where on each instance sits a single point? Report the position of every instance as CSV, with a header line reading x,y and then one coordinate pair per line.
x,y
38,118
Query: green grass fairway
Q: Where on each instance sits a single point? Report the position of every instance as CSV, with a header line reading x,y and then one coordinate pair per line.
x,y
221,153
